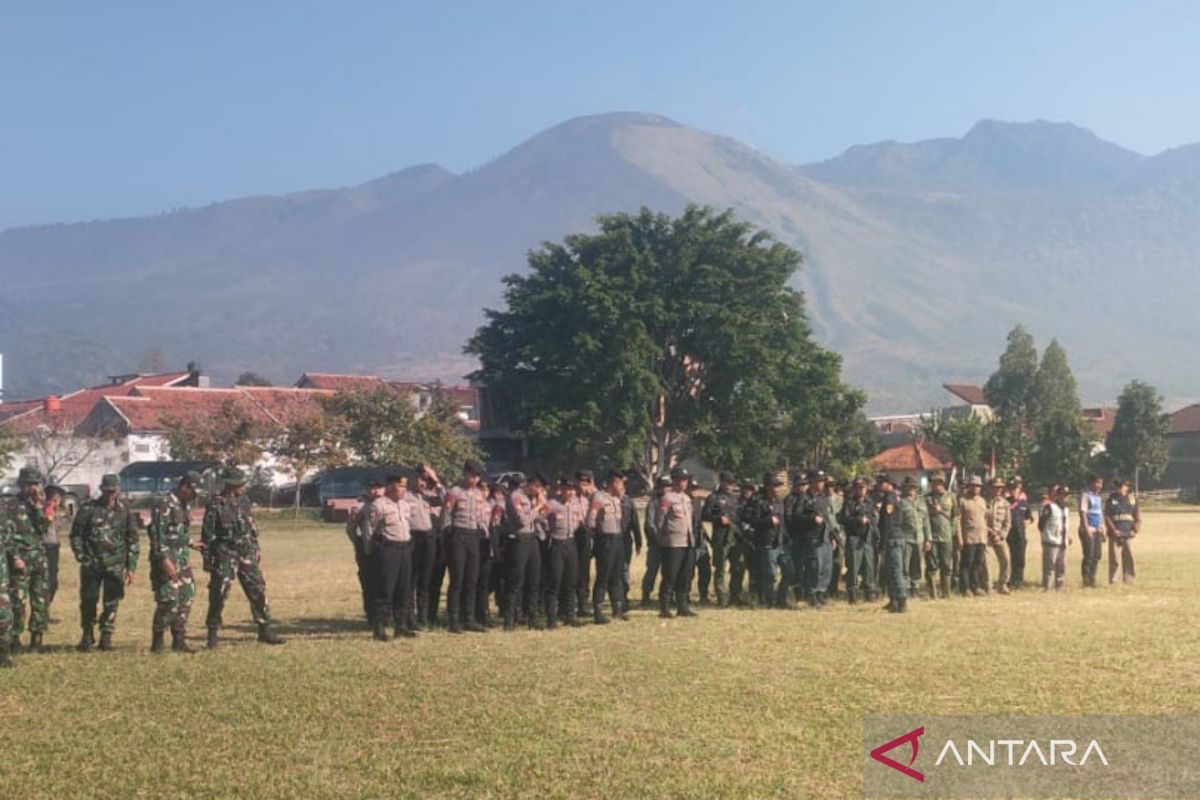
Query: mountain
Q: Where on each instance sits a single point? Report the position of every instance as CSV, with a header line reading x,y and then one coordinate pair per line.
x,y
919,258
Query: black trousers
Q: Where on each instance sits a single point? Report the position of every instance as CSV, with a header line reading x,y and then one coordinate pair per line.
x,y
677,565
424,558
462,562
1016,556
653,564
583,547
393,582
974,568
366,579
491,578
524,562
562,572
703,572
610,559
440,567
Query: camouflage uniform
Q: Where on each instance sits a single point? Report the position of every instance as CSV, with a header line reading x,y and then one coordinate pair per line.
x,y
27,525
6,615
104,540
170,539
230,540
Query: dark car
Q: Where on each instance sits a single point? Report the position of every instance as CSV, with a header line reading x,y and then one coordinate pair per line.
x,y
146,479
338,490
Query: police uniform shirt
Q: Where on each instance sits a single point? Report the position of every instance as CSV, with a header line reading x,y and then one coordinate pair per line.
x,y
388,519
523,515
604,514
564,518
673,519
466,508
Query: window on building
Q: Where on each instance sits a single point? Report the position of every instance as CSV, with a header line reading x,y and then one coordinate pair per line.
x,y
141,449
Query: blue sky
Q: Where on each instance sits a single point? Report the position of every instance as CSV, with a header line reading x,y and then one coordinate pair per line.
x,y
111,109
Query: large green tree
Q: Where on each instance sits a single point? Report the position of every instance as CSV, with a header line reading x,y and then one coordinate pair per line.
x,y
1008,392
1063,442
1137,443
661,337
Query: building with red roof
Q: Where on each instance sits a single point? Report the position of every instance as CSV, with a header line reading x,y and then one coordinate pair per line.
x,y
916,459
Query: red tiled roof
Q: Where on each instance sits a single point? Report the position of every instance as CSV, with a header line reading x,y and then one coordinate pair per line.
x,y
147,408
284,403
967,392
913,457
1185,420
163,379
339,383
8,410
1100,420
462,395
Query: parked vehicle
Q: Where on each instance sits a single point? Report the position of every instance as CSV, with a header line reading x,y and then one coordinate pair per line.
x,y
339,490
144,480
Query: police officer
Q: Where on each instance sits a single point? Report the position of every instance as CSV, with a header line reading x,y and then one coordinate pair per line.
x,y
859,518
585,487
104,540
357,532
604,525
1122,522
891,539
465,515
424,502
527,509
771,544
676,532
653,548
631,528
816,519
943,519
720,511
565,515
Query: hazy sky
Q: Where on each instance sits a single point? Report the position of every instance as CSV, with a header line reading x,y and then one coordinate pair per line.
x,y
122,108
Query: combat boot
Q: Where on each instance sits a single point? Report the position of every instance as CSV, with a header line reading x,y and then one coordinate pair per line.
x,y
598,616
510,619
902,606
35,642
179,642
267,636
664,605
621,612
86,641
684,607
6,661
212,639
535,622
106,644
851,596
379,631
156,641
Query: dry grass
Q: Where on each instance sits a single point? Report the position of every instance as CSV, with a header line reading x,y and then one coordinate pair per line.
x,y
735,703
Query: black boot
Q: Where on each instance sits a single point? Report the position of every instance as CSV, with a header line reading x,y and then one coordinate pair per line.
x,y
621,612
647,603
474,627
851,596
35,642
106,644
379,631
268,636
87,640
179,642
156,641
683,607
903,606
664,604
598,615
510,619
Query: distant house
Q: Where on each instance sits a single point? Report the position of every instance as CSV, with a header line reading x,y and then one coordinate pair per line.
x,y
916,459
1183,450
464,397
973,402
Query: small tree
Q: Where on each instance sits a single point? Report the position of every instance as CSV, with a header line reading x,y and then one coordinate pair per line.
x,y
231,435
1064,444
59,451
964,437
304,443
1008,392
1137,443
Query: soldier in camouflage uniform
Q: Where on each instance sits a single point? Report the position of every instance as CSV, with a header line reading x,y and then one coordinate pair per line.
x,y
170,573
230,542
104,540
943,519
27,525
9,565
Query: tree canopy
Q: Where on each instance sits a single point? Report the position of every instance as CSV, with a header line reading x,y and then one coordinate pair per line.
x,y
661,337
1137,443
1009,392
1064,445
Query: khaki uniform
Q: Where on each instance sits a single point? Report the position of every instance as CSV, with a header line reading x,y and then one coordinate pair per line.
x,y
999,517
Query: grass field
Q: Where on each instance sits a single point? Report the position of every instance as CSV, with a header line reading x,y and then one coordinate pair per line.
x,y
736,703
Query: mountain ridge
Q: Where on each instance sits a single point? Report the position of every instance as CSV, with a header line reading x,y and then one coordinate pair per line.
x,y
903,243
